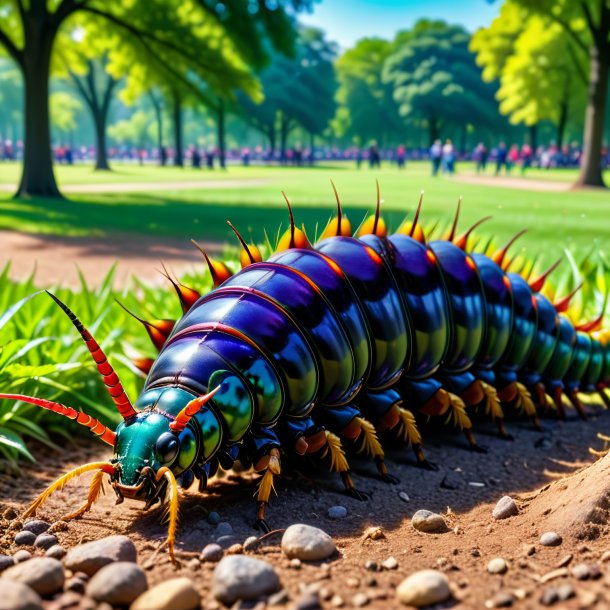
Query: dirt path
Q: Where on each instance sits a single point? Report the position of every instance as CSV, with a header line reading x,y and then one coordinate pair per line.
x,y
465,489
56,259
514,182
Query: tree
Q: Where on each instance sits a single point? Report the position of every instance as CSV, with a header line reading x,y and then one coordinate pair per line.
x,y
64,108
435,78
135,131
367,110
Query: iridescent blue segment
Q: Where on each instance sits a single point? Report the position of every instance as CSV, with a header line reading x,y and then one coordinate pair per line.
x,y
466,305
373,282
499,309
580,360
562,356
593,373
547,333
306,304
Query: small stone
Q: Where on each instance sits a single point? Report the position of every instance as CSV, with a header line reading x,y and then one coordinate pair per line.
x,y
502,600
242,577
58,526
235,549
193,564
92,556
25,538
9,514
352,582
295,564
373,566
214,518
549,596
506,507
529,550
404,496
373,533
17,596
550,539
452,480
588,599
553,575
78,585
21,556
250,543
224,528
476,484
56,551
565,592
337,512
118,583
6,561
594,571
580,571
337,601
68,600
36,526
307,543
276,599
427,521
212,553
565,560
45,541
424,588
309,601
325,593
175,593
390,563
42,574
605,556
360,600
227,541
475,553
497,566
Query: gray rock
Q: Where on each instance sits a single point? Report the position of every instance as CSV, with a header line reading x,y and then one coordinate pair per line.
x,y
250,543
17,596
212,552
424,588
36,526
92,556
360,600
497,566
549,596
44,575
227,541
337,512
404,496
22,555
118,583
307,543
429,522
78,585
242,577
214,518
506,507
390,563
308,601
56,551
176,593
502,600
278,599
452,480
46,541
6,561
565,591
223,529
550,539
25,538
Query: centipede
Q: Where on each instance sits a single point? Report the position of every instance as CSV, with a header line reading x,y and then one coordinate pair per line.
x,y
321,350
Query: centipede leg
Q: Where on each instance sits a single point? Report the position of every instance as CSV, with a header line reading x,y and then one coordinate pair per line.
x,y
576,403
604,397
524,403
558,402
95,488
493,408
338,463
407,431
271,464
462,421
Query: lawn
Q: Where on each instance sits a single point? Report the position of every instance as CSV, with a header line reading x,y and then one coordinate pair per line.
x,y
555,219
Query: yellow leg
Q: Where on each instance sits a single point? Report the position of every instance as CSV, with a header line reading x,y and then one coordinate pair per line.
x,y
338,463
172,510
408,432
97,485
372,447
105,467
265,487
524,403
460,419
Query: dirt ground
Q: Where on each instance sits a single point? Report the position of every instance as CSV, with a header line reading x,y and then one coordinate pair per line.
x,y
514,182
541,470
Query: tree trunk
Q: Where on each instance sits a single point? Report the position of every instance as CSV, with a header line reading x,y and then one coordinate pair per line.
x,y
177,117
272,135
283,139
221,136
312,148
561,124
37,179
101,152
534,137
159,116
591,163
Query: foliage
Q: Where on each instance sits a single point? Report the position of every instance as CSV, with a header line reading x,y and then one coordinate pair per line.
x,y
64,108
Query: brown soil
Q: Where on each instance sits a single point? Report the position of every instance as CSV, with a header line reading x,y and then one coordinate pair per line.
x,y
545,472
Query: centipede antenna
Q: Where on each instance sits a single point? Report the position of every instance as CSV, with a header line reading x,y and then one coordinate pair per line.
x,y
537,284
417,213
218,270
563,304
498,257
192,408
111,380
462,241
455,220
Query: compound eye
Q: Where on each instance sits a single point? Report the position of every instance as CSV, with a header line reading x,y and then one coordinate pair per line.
x,y
167,447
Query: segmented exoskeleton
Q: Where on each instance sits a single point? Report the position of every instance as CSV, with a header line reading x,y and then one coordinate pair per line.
x,y
332,343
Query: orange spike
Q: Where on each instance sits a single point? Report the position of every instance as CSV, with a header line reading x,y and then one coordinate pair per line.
x,y
455,220
462,240
188,296
293,237
143,364
596,324
498,257
191,409
158,330
537,284
374,225
219,271
563,304
249,254
339,226
102,432
413,228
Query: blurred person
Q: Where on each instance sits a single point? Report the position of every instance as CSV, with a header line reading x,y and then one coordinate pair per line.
x,y
163,156
527,155
480,157
436,154
448,155
501,154
358,157
545,158
209,158
374,155
512,158
195,158
245,156
401,154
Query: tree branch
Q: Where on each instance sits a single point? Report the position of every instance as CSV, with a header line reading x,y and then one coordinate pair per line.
x,y
579,68
566,26
13,51
81,89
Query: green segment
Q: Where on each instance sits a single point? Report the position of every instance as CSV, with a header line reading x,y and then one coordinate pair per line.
x,y
233,403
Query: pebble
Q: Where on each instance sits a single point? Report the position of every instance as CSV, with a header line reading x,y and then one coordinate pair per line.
x,y
17,596
390,563
227,541
44,575
235,549
404,496
6,561
56,551
424,588
550,539
25,538
506,507
175,593
307,543
36,526
309,601
336,601
295,564
426,521
76,584
605,556
212,553
337,512
242,577
223,529
45,541
22,555
277,599
552,595
360,599
497,566
501,600
117,583
214,518
9,514
373,566
193,564
374,533
565,560
452,480
250,543
92,556
529,550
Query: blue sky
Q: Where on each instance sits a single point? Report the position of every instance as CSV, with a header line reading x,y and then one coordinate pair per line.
x,y
346,21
